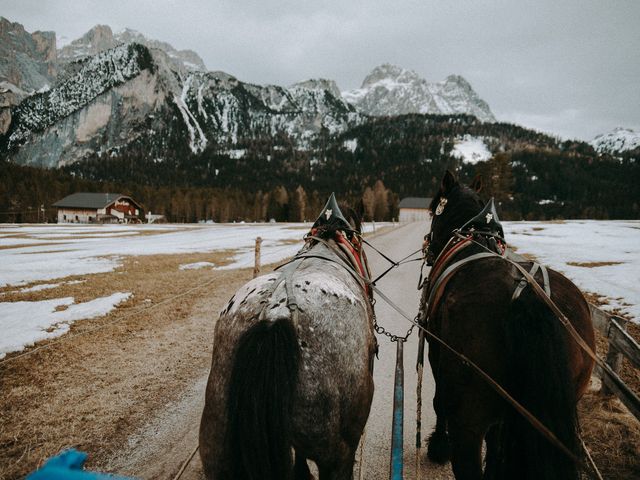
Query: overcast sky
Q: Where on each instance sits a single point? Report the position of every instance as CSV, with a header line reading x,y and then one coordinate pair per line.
x,y
569,67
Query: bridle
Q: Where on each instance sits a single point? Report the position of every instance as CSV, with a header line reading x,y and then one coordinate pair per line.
x,y
496,242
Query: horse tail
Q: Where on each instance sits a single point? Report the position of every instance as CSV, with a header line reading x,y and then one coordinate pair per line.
x,y
539,377
260,401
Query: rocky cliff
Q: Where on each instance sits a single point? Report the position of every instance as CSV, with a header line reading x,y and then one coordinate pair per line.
x,y
133,97
28,61
101,38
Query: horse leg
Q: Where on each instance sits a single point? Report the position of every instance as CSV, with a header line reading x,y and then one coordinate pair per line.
x,y
301,469
466,452
438,450
341,466
492,457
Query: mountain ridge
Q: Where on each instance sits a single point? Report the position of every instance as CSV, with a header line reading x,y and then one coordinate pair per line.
x,y
392,90
101,37
618,140
187,104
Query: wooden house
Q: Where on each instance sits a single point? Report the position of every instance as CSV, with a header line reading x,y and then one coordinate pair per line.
x,y
99,208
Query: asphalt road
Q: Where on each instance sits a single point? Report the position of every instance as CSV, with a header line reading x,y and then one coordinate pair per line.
x,y
164,445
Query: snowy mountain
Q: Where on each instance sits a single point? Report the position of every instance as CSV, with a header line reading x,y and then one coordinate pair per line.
x,y
111,94
618,140
392,90
133,97
101,38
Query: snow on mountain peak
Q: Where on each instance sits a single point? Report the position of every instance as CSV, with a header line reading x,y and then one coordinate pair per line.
x,y
393,90
618,140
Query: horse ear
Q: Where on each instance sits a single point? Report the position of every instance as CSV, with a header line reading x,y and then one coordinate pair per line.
x,y
448,182
476,183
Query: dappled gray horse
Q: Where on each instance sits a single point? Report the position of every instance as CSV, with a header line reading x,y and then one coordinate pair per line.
x,y
292,366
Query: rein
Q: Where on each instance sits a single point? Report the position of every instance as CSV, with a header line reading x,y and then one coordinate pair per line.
x,y
548,434
542,294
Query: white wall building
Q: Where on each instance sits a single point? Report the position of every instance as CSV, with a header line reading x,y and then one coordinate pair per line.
x,y
414,209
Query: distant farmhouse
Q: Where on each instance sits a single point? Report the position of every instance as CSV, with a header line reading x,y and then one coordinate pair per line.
x,y
99,208
414,209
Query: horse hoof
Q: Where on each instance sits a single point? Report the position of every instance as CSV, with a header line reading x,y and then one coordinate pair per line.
x,y
439,450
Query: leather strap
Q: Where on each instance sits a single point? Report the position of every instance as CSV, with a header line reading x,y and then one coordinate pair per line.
x,y
451,269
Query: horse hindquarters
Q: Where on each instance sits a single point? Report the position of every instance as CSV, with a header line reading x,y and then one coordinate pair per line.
x,y
260,401
539,377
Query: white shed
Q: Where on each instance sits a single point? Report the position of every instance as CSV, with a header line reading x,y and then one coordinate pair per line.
x,y
414,209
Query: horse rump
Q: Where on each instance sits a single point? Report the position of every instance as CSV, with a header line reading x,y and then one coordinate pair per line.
x,y
260,400
539,377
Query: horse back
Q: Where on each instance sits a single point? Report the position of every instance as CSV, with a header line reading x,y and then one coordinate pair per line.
x,y
474,305
334,330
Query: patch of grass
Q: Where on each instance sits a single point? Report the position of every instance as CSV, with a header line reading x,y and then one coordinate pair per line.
x,y
593,264
25,245
93,387
612,436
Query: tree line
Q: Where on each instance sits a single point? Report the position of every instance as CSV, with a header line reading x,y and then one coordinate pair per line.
x,y
531,175
24,190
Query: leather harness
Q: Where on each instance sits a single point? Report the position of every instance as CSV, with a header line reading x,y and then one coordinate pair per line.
x,y
443,270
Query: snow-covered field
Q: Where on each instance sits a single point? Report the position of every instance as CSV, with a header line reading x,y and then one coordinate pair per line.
x,y
57,251
601,257
37,253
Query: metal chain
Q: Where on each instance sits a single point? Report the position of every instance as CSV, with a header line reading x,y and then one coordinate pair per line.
x,y
383,331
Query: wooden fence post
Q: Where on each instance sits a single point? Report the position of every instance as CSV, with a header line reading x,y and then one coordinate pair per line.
x,y
614,357
256,267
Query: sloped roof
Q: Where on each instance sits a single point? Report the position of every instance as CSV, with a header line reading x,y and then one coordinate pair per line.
x,y
415,202
90,200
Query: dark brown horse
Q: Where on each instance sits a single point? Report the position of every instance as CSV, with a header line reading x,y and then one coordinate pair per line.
x,y
292,366
483,310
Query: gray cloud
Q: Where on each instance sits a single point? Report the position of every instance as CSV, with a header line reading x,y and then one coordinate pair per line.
x,y
569,68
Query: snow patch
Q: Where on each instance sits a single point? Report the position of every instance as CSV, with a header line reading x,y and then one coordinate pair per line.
x,y
196,143
236,154
471,149
351,145
24,323
574,246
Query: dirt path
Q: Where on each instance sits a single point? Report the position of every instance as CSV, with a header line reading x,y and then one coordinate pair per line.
x,y
401,286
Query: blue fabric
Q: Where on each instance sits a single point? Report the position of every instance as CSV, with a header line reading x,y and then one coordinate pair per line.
x,y
68,466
